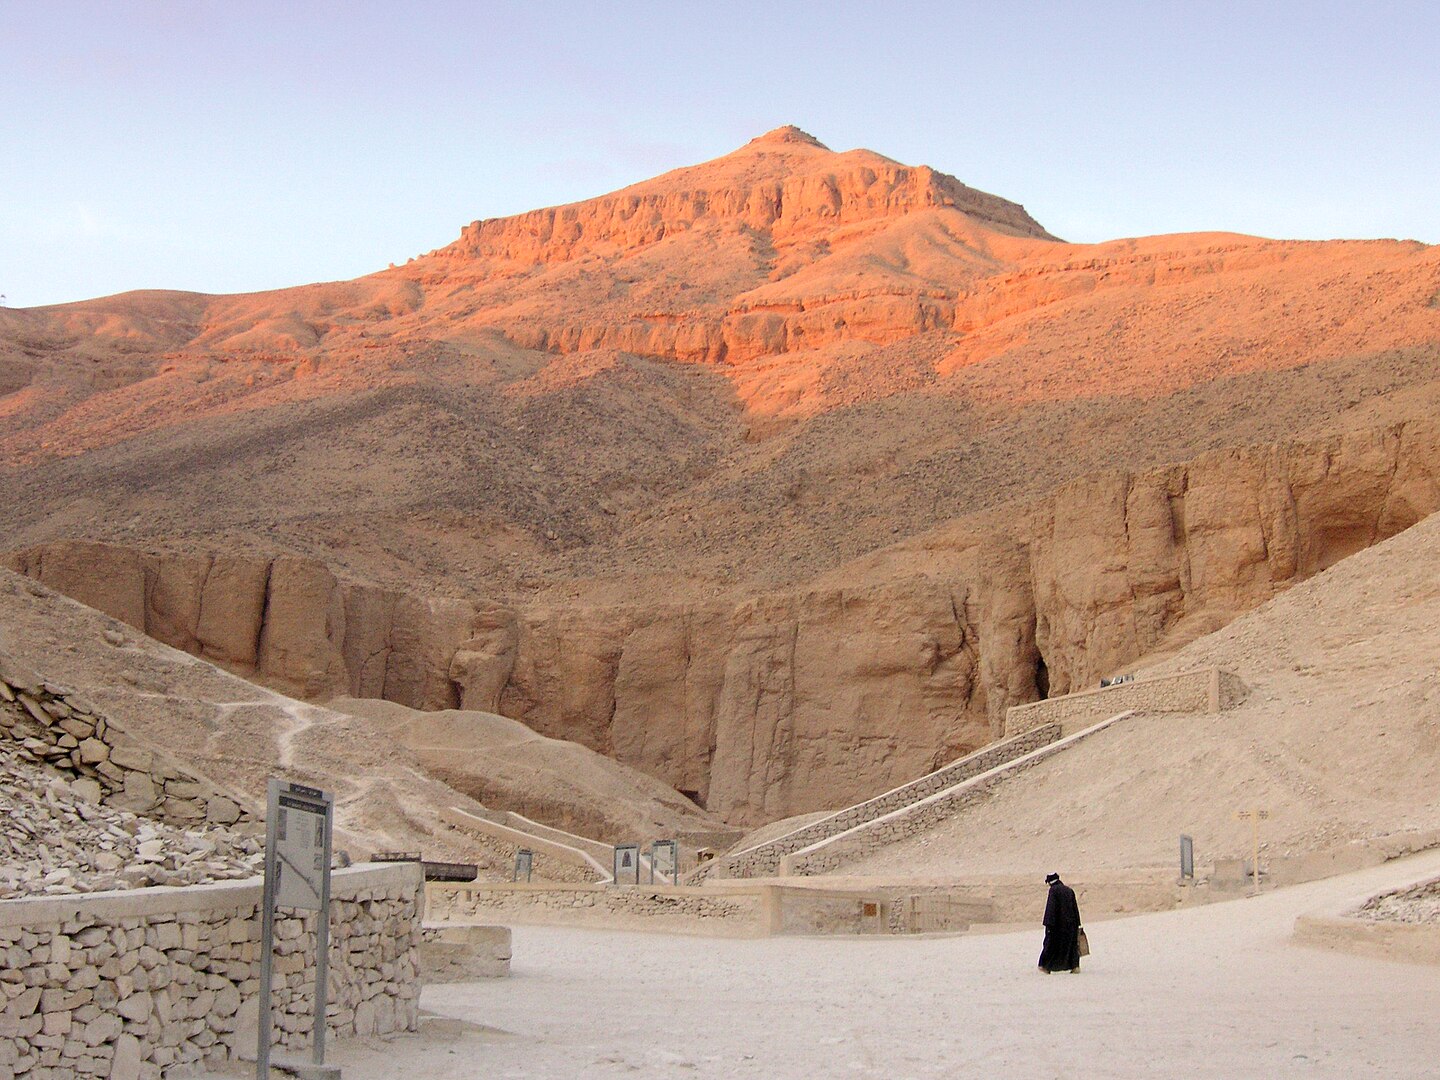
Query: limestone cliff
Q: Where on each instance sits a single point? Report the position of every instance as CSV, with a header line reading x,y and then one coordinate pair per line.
x,y
812,698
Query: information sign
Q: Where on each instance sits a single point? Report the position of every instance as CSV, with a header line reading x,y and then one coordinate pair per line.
x,y
301,842
1187,857
524,860
297,876
627,864
664,861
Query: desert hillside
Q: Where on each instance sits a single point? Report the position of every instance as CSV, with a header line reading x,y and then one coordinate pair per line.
x,y
394,775
1339,731
777,477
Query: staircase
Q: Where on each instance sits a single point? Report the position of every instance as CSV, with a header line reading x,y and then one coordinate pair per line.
x,y
764,859
828,854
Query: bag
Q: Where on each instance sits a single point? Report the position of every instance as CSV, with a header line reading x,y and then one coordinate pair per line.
x,y
1084,943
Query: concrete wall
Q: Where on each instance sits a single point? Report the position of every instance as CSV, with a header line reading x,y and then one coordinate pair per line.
x,y
763,860
1201,690
129,985
828,855
54,725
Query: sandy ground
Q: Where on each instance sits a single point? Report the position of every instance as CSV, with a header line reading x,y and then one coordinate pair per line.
x,y
1206,992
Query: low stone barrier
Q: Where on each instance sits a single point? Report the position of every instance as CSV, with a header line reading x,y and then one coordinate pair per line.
x,y
53,724
463,953
1381,926
763,860
732,911
1202,690
553,861
129,985
682,909
871,836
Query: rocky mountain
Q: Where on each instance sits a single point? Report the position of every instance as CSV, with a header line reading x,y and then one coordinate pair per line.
x,y
777,477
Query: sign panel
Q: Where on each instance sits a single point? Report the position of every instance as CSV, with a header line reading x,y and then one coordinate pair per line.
x,y
297,875
524,860
302,826
1187,857
627,864
664,861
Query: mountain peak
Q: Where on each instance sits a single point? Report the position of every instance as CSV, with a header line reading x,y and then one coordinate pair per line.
x,y
787,134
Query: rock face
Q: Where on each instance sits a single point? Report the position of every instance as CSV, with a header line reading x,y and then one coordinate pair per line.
x,y
778,477
813,698
825,190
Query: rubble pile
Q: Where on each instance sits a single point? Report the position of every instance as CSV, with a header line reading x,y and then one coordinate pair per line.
x,y
55,841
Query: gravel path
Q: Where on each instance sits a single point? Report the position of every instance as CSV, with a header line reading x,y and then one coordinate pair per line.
x,y
1208,992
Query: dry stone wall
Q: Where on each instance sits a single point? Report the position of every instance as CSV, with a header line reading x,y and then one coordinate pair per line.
x,y
133,985
1202,690
54,725
681,909
551,861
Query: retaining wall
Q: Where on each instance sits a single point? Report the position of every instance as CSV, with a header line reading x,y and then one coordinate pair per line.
x,y
829,854
1202,690
553,861
130,985
682,909
732,911
763,860
53,724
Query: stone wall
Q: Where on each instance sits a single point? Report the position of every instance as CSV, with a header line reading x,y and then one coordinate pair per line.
x,y
683,910
1201,690
52,724
130,985
727,911
764,859
551,860
828,855
464,953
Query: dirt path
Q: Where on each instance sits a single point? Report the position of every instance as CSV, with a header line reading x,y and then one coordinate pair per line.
x,y
1207,992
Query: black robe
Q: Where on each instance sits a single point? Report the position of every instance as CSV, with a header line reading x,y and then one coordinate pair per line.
x,y
1061,951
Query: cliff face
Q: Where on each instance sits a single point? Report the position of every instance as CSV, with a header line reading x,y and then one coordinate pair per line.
x,y
813,698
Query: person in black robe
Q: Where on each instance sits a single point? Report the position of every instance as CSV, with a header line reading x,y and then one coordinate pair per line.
x,y
1061,951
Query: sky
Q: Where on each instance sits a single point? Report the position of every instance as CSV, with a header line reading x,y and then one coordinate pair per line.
x,y
227,147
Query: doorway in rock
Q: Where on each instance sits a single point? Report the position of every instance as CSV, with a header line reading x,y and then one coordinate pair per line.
x,y
1042,677
693,796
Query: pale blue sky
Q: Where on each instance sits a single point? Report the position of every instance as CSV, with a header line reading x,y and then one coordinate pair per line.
x,y
228,146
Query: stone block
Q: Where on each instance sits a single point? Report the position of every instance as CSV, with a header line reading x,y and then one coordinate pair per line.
x,y
130,756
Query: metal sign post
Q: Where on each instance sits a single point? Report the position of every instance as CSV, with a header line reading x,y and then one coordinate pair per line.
x,y
664,861
298,821
1254,815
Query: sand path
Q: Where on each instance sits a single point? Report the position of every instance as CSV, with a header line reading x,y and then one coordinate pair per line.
x,y
1216,991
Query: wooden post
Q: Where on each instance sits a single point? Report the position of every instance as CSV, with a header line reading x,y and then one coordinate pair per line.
x,y
1254,815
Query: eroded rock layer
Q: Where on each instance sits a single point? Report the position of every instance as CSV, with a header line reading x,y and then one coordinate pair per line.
x,y
806,699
